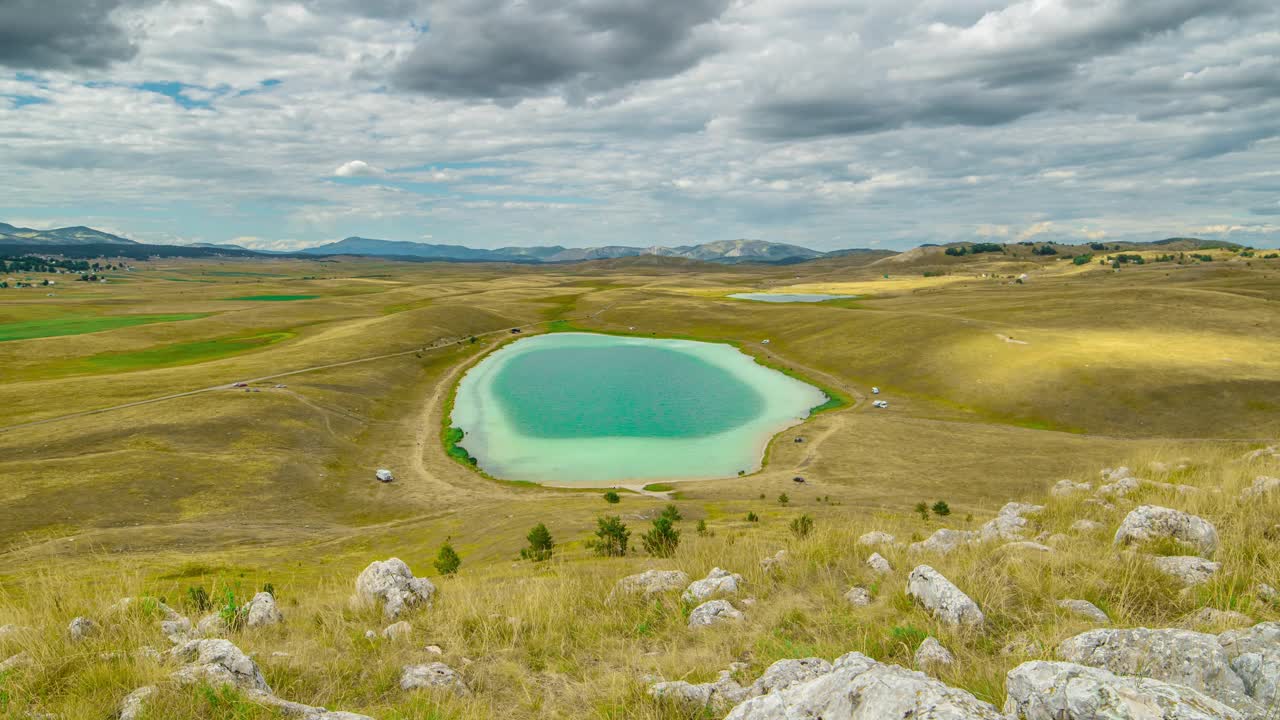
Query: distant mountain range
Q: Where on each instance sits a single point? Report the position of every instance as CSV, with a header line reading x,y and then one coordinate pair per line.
x,y
722,251
78,235
87,242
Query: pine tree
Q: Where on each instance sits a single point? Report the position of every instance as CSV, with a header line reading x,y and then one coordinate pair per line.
x,y
663,539
611,536
447,561
540,544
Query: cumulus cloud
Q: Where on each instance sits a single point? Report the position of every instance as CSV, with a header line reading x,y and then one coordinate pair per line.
x,y
512,49
62,34
357,168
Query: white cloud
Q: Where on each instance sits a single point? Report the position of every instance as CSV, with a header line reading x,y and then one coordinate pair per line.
x,y
357,168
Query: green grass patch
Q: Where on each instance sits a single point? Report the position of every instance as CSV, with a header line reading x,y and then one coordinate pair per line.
x,y
82,324
273,298
187,353
659,487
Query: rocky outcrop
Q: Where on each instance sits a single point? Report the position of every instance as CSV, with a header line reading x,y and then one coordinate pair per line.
x,y
1064,488
1263,485
1118,482
433,676
1010,523
261,611
1182,657
1187,569
717,582
946,602
722,693
944,541
134,705
931,654
652,582
773,562
1086,610
1151,522
397,631
859,688
1086,526
786,673
212,625
713,612
878,564
876,538
1215,618
391,584
1042,690
218,662
858,596
13,662
82,628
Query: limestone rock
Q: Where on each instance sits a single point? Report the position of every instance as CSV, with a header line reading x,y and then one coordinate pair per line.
x,y
1063,488
219,662
261,611
878,564
944,541
876,537
433,676
723,692
1041,690
1272,451
212,625
22,659
1266,593
712,612
945,601
81,628
858,596
1182,657
1188,569
785,673
1010,523
1214,617
1086,526
135,703
1151,522
1119,486
859,688
1086,610
397,631
391,583
931,653
774,561
717,582
1255,658
651,582
1262,486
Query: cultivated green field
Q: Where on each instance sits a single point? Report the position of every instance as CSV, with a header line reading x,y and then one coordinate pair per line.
x,y
128,454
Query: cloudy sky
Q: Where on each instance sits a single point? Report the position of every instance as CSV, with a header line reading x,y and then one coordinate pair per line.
x,y
826,123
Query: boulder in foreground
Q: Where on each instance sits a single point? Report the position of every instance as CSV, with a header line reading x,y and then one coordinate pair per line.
x,y
392,584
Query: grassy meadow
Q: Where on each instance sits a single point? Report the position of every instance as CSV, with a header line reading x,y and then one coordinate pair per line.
x,y
133,466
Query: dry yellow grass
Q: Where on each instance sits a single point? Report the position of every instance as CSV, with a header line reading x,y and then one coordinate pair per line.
x,y
545,640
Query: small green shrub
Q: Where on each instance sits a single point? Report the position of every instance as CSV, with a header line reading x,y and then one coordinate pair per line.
x,y
802,526
540,544
923,509
447,561
672,513
941,508
783,499
663,539
198,598
752,517
611,537
612,497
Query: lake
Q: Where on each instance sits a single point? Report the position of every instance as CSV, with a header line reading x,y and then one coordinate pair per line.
x,y
789,297
568,408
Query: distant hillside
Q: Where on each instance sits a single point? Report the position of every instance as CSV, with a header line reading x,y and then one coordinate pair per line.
x,y
78,235
722,251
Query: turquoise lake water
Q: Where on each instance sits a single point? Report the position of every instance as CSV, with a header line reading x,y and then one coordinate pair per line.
x,y
789,297
579,407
